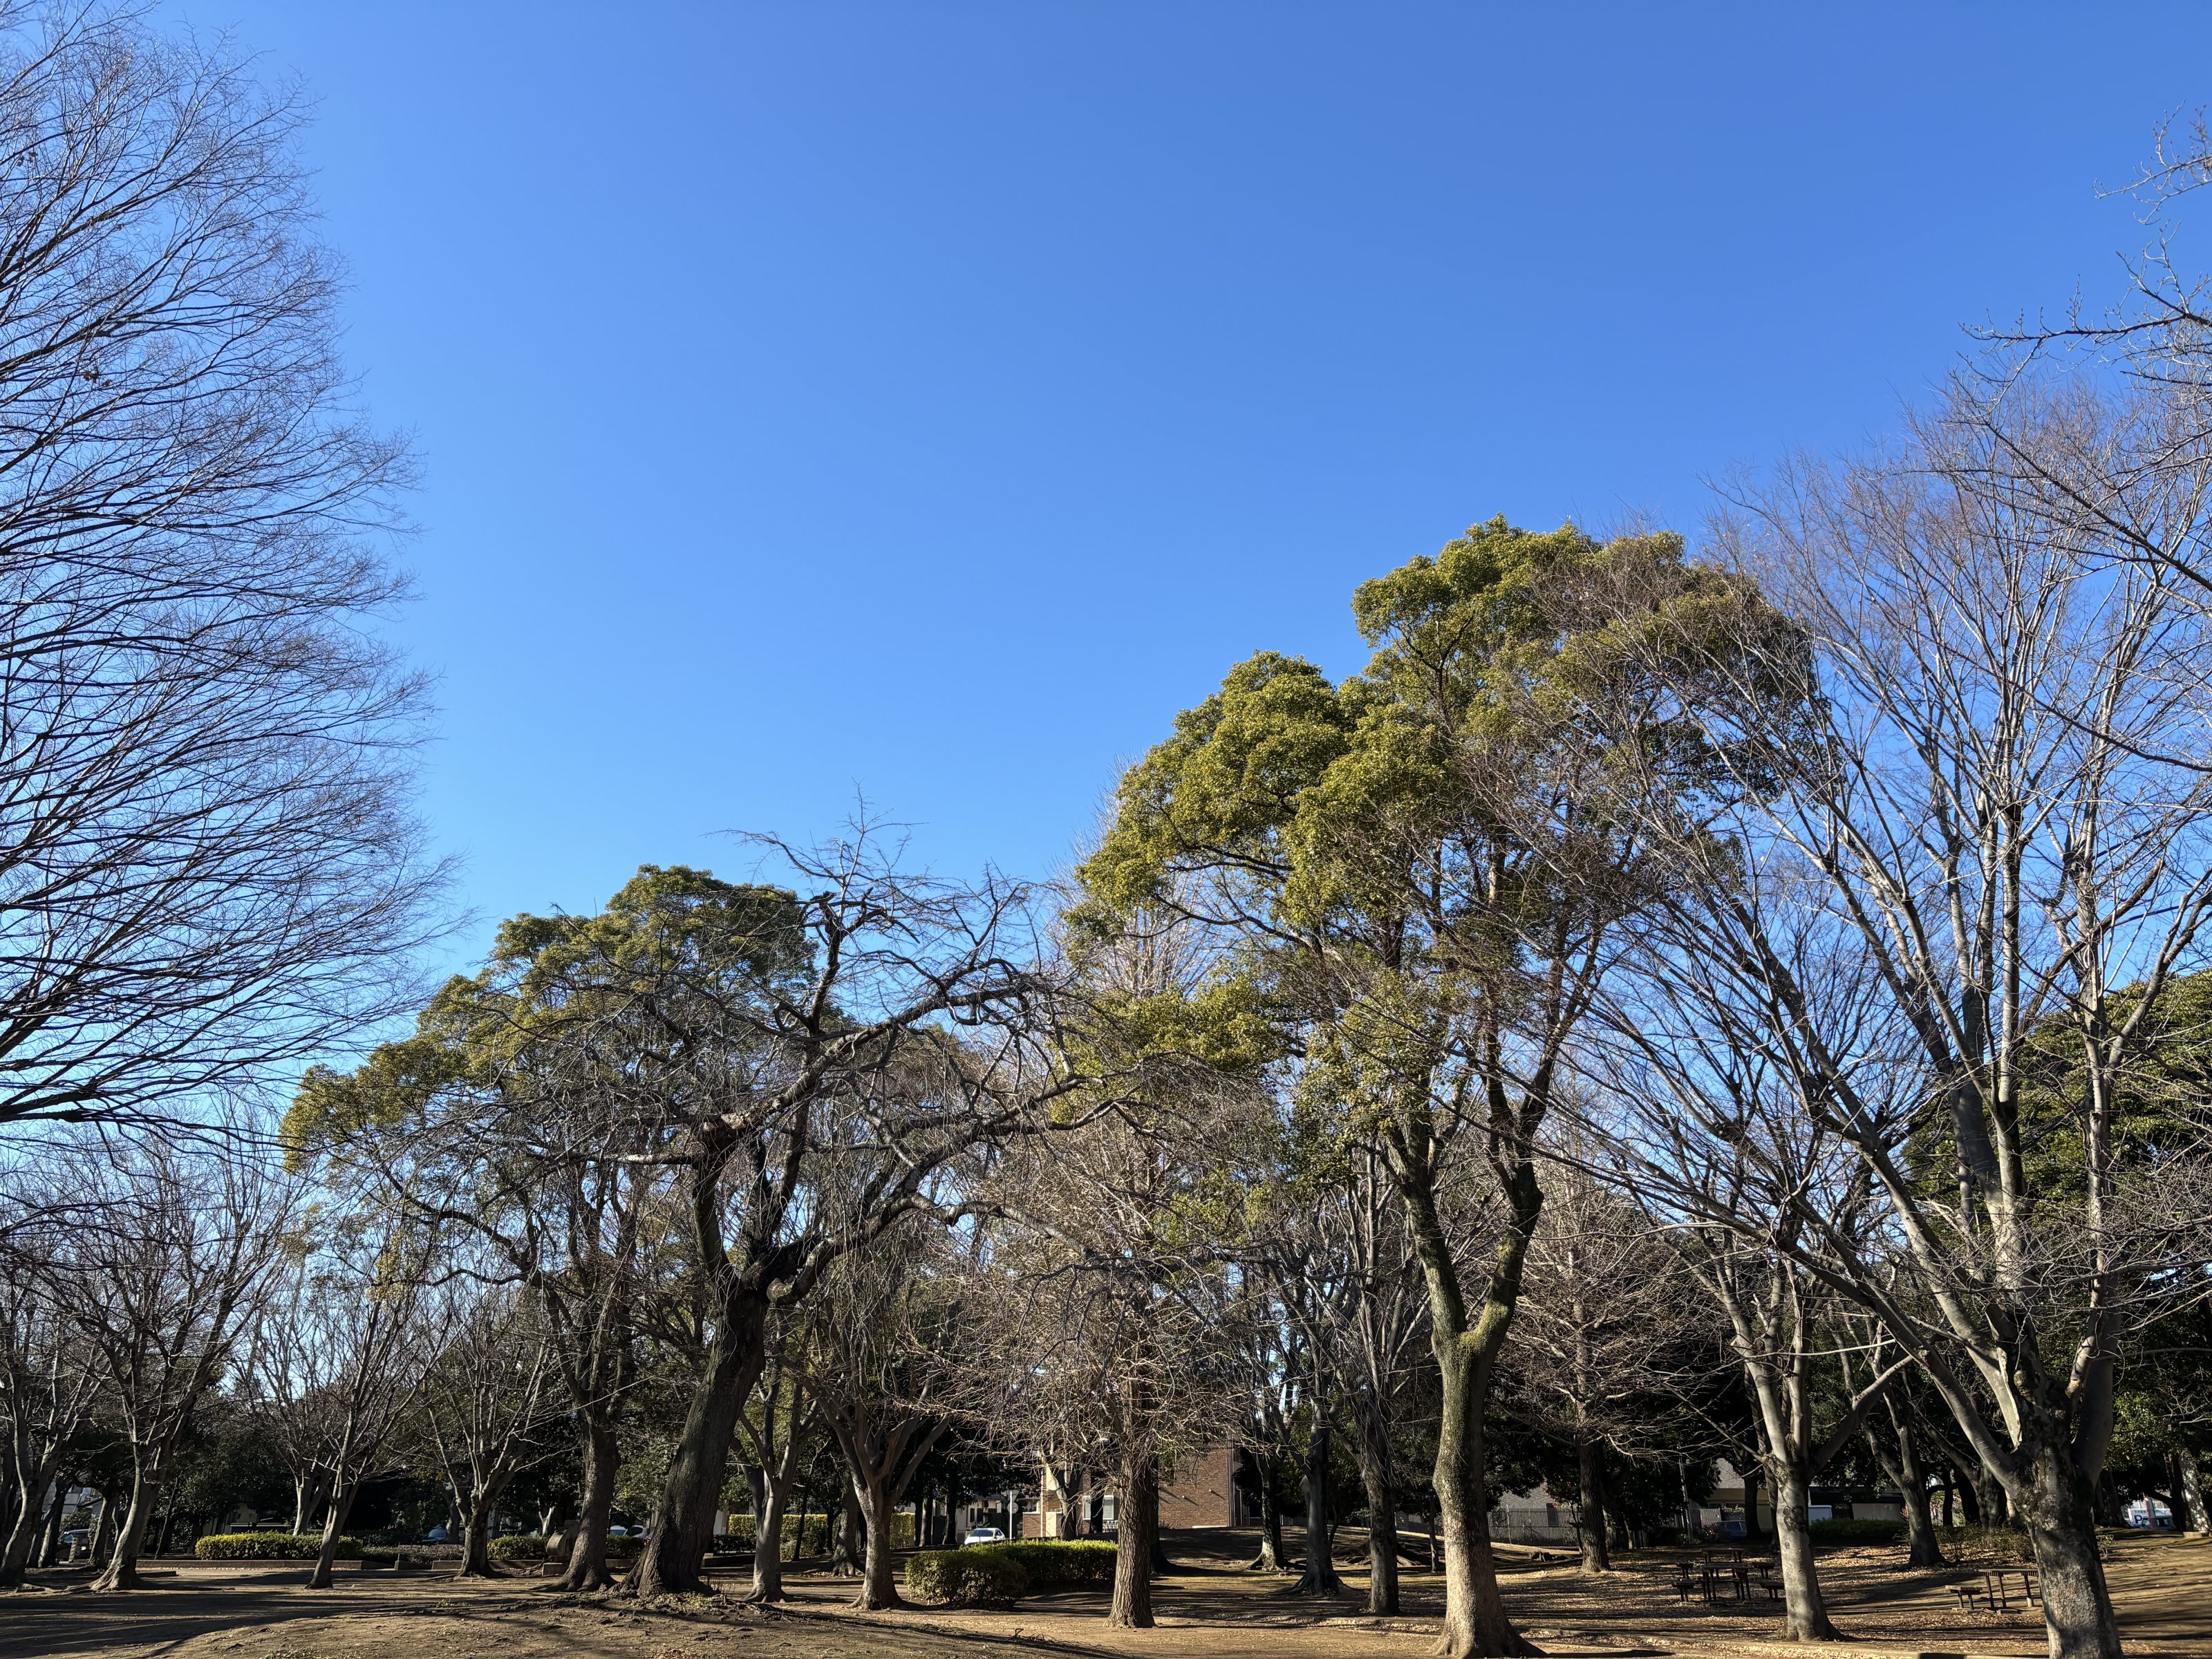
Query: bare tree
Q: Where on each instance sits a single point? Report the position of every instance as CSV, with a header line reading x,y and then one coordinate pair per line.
x,y
774,1437
359,1350
50,1375
1985,795
885,1373
1615,1335
489,1400
182,1242
1108,1301
210,869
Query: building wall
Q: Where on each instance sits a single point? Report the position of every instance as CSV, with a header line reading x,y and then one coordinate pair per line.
x,y
1201,1490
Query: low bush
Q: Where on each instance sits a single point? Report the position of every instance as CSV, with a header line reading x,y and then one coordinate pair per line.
x,y
1061,1563
1850,1530
816,1541
979,1575
270,1547
517,1547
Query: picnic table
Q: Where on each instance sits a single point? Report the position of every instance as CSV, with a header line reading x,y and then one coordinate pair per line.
x,y
1725,1576
1994,1593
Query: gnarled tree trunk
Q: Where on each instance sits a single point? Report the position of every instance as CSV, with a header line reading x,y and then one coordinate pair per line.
x,y
684,1522
2057,1502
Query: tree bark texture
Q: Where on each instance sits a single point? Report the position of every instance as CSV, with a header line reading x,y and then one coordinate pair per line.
x,y
30,1519
2055,1500
1320,1577
333,1525
1137,1538
121,1572
683,1523
1270,1557
1590,1513
1382,1520
587,1554
871,1503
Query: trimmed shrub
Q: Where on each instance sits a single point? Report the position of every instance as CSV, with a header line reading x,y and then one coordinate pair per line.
x,y
1850,1530
270,1547
984,1576
1061,1563
816,1542
517,1547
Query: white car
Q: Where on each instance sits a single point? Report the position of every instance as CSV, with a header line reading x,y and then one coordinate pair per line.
x,y
984,1535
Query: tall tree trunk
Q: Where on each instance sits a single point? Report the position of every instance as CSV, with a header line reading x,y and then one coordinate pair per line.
x,y
1590,1513
30,1519
100,1546
1969,1495
2196,1516
307,1491
1270,1559
872,1505
1320,1577
1466,1356
342,1493
683,1523
1912,1482
2057,1502
768,1541
1138,1535
50,1546
1382,1511
475,1528
1474,1612
849,1559
1805,1610
587,1554
122,1570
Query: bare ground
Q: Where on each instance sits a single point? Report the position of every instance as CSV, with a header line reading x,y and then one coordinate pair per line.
x,y
1208,1606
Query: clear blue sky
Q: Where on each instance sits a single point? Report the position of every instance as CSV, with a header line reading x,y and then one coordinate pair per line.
x,y
930,399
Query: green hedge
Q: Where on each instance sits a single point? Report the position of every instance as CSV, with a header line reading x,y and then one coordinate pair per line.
x,y
270,1547
517,1547
981,1577
1061,1563
816,1542
1852,1529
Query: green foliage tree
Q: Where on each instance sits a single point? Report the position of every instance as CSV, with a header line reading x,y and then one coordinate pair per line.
x,y
1424,860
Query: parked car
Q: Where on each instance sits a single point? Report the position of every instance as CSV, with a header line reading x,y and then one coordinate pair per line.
x,y
984,1535
435,1535
618,1532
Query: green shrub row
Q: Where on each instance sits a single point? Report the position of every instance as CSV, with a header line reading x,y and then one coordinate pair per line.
x,y
816,1541
270,1547
517,1547
997,1575
1061,1563
980,1576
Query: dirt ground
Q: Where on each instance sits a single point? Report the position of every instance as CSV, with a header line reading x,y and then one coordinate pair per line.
x,y
1207,1607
